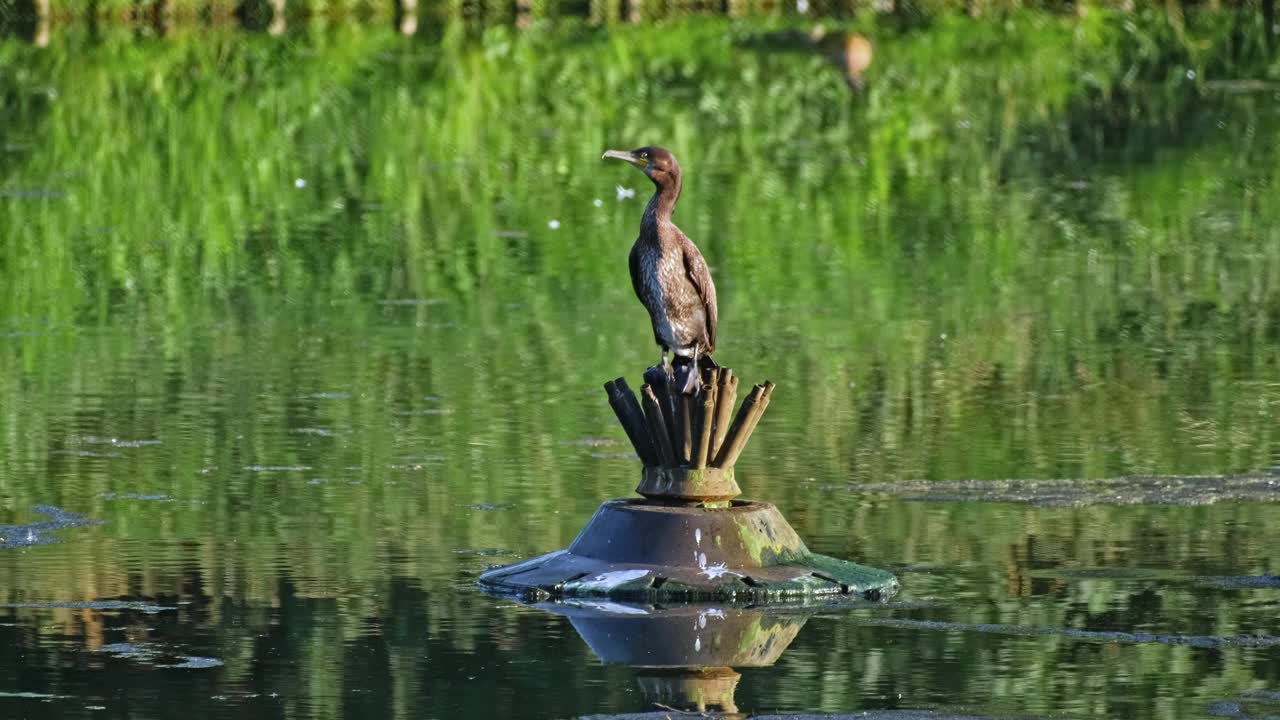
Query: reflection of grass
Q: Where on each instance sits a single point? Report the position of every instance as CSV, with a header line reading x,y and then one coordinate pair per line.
x,y
957,196
953,199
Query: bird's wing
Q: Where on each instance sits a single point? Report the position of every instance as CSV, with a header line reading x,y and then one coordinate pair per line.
x,y
634,262
696,267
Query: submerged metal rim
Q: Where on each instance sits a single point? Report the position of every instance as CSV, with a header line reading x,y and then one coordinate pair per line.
x,y
562,576
640,551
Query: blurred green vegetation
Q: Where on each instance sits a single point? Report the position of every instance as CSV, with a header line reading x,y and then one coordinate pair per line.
x,y
1047,246
415,157
903,11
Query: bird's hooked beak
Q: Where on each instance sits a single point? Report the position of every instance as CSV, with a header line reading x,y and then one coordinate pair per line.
x,y
625,156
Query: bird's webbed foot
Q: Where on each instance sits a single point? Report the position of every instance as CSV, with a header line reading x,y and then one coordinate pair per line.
x,y
693,380
693,376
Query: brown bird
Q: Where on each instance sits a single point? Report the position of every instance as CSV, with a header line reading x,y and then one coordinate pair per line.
x,y
668,272
857,58
850,52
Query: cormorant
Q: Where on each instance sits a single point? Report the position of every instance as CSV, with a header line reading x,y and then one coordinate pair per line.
x,y
668,272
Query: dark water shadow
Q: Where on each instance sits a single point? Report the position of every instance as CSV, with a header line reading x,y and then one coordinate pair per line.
x,y
1103,636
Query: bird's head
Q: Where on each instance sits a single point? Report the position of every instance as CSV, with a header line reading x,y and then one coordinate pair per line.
x,y
658,163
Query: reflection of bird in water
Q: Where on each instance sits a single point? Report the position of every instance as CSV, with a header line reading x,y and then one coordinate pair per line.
x,y
668,272
850,52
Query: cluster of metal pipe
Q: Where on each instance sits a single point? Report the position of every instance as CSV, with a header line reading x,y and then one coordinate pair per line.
x,y
668,428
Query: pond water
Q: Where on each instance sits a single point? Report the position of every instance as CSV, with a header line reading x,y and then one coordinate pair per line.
x,y
297,338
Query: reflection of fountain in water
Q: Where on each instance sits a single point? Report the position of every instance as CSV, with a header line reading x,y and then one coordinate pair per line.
x,y
685,655
692,689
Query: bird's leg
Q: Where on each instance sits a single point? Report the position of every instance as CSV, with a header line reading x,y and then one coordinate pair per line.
x,y
694,382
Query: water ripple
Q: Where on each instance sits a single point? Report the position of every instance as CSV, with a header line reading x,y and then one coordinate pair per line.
x,y
1200,641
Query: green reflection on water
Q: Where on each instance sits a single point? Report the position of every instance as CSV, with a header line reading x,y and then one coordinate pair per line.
x,y
1037,249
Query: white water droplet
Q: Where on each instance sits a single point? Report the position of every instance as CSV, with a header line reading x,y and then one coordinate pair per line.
x,y
697,535
598,202
299,183
554,224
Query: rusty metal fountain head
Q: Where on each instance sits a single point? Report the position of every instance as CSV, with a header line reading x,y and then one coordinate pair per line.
x,y
688,443
689,539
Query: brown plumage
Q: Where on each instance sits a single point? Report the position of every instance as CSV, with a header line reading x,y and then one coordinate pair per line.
x,y
668,273
850,52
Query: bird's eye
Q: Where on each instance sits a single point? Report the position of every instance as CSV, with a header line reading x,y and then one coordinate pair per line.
x,y
644,156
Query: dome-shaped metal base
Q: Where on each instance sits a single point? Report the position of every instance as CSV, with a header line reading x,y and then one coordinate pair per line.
x,y
642,551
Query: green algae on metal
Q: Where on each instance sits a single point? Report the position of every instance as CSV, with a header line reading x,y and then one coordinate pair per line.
x,y
760,537
708,486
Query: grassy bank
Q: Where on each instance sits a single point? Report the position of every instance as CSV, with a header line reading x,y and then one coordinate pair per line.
x,y
418,163
165,12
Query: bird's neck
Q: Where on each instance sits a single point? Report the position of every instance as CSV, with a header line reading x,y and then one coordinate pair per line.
x,y
662,204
